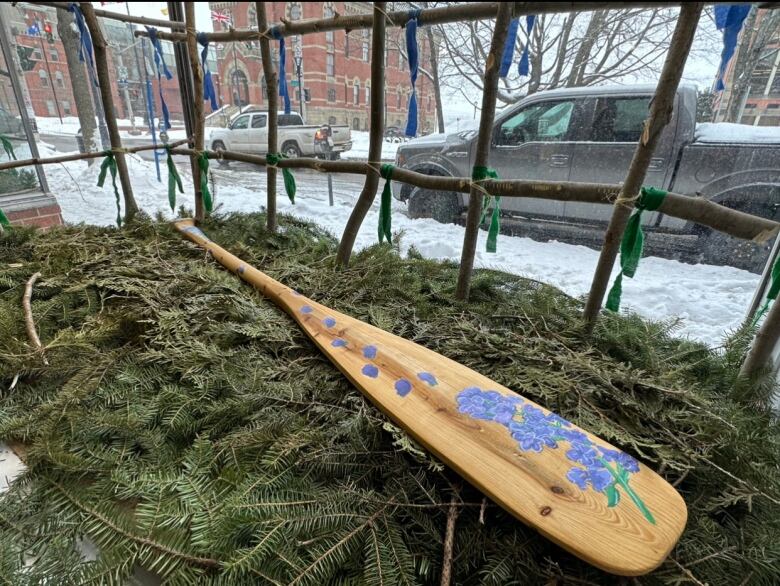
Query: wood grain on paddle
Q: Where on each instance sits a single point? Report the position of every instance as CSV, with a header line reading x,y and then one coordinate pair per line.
x,y
582,493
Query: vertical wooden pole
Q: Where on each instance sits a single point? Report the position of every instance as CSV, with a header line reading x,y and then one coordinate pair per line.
x,y
490,89
376,136
198,122
760,354
660,113
269,71
104,80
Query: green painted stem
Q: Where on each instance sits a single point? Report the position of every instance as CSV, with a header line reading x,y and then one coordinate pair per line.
x,y
621,480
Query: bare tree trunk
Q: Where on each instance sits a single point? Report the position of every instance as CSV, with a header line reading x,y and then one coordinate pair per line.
x,y
198,122
79,80
562,46
661,109
582,58
433,48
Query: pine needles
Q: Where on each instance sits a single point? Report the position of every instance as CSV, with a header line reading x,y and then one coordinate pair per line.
x,y
187,427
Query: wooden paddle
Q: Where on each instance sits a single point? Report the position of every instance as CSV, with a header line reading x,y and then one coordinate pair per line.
x,y
576,489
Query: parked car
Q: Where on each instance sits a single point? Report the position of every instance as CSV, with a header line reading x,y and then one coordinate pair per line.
x,y
10,124
589,135
248,133
395,134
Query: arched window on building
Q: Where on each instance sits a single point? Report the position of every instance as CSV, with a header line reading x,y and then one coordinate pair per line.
x,y
328,12
239,88
59,78
366,40
295,10
44,77
251,16
356,92
398,98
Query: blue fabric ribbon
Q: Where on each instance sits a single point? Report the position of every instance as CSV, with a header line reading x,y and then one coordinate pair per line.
x,y
85,41
729,18
523,68
159,61
208,84
412,53
509,48
282,69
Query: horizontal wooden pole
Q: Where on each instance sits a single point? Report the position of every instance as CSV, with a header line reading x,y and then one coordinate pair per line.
x,y
83,156
437,15
685,207
161,22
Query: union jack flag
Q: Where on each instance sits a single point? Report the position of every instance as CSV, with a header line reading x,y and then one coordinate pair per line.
x,y
221,17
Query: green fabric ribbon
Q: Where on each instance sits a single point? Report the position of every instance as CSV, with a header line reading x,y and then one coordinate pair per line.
x,y
109,163
480,174
8,147
385,217
774,289
174,180
4,221
203,163
650,199
289,181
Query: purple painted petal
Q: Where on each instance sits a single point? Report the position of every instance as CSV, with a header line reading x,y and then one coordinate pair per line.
x,y
339,343
427,377
403,387
329,322
369,352
370,370
307,309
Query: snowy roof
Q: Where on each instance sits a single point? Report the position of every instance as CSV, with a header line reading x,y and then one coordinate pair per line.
x,y
729,132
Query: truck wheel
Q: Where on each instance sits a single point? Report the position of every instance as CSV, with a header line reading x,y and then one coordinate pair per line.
x,y
291,150
219,146
442,206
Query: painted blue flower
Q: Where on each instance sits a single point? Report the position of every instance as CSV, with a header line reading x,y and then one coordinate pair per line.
x,y
574,436
598,478
241,269
403,387
307,309
582,453
532,439
339,343
329,322
488,405
627,462
557,420
369,352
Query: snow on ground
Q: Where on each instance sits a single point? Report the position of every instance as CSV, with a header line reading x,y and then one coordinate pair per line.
x,y
710,301
359,148
730,132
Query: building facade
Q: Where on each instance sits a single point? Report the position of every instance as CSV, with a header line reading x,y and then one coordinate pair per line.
x,y
336,67
762,106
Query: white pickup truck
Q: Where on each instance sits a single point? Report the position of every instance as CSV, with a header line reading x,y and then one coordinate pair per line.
x,y
248,133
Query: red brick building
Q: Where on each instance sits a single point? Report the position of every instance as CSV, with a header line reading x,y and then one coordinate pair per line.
x,y
336,67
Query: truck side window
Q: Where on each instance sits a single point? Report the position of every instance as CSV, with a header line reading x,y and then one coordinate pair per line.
x,y
258,121
619,119
545,122
240,123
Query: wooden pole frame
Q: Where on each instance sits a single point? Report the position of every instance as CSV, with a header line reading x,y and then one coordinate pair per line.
x,y
271,82
375,138
199,120
482,149
143,20
661,109
104,80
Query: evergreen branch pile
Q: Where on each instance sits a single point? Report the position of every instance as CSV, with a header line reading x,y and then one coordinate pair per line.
x,y
186,427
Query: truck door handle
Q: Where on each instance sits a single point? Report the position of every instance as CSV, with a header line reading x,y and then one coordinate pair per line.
x,y
656,164
559,161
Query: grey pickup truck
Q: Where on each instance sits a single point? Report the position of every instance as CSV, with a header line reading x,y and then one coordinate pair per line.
x,y
589,135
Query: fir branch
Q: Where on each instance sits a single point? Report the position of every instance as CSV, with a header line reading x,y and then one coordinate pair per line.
x,y
142,541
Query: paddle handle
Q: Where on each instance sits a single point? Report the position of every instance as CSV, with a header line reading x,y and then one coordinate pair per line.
x,y
270,288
